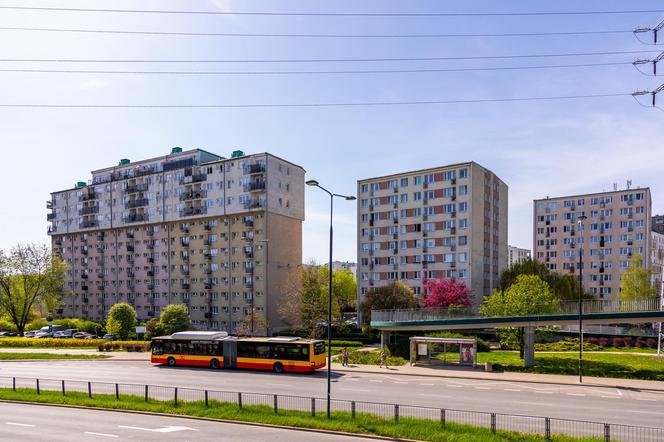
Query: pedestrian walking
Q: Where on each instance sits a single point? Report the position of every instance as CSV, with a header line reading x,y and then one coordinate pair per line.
x,y
383,359
344,357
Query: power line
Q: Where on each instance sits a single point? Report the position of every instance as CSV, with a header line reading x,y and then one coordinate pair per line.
x,y
310,105
320,60
338,14
231,34
373,71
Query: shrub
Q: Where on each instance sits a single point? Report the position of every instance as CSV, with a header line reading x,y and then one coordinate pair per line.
x,y
628,341
617,341
651,343
603,342
49,343
341,343
482,344
640,343
567,345
592,340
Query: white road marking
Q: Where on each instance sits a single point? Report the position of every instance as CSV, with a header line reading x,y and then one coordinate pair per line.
x,y
429,385
532,403
159,430
646,399
575,394
439,396
18,424
374,380
400,382
610,397
354,389
455,386
659,413
511,389
544,392
482,388
100,434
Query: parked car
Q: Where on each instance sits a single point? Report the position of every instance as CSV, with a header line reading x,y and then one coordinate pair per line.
x,y
47,331
109,337
30,334
82,335
68,333
6,334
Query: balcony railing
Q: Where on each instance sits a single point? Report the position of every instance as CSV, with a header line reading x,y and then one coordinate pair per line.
x,y
254,204
193,195
89,210
50,204
189,211
87,224
88,196
256,168
256,186
140,202
50,216
196,178
135,218
133,188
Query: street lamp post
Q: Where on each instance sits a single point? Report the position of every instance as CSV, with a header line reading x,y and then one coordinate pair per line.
x,y
314,183
580,220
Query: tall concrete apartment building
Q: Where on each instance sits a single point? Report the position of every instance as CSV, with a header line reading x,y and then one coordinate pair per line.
x,y
191,227
516,255
617,226
658,224
443,222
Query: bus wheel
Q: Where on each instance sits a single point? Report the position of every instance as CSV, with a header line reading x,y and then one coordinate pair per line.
x,y
278,367
214,364
170,361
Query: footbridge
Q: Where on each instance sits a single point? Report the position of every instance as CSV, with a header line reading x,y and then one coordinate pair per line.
x,y
593,312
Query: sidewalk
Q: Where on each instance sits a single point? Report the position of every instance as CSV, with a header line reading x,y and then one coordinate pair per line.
x,y
450,372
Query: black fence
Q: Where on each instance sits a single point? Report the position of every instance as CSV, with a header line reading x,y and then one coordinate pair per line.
x,y
544,426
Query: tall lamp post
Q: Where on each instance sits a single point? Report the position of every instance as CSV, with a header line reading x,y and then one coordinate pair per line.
x,y
580,221
314,183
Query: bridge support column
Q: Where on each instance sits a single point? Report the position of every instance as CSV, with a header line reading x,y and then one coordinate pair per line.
x,y
529,347
384,338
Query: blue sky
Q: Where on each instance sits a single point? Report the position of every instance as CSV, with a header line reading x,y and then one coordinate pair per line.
x,y
538,148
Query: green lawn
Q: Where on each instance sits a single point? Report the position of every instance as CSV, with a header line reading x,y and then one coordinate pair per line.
x,y
30,355
339,421
594,364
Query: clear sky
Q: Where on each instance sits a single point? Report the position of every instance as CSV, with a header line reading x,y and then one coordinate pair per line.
x,y
538,148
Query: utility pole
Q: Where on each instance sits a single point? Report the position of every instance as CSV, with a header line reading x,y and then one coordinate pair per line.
x,y
655,30
652,93
654,62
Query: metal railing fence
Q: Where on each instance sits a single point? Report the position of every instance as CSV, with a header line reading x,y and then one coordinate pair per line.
x,y
539,425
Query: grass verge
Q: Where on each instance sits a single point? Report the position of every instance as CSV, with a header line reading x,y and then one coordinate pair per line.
x,y
339,421
30,355
626,366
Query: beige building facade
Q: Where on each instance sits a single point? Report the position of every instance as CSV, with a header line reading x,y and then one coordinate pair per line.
x,y
216,234
443,222
618,225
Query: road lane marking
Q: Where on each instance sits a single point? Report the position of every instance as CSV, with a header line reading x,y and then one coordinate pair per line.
x,y
659,413
400,382
428,385
610,397
645,399
532,403
511,389
482,388
439,396
159,430
353,389
18,424
375,380
575,394
92,433
544,392
455,386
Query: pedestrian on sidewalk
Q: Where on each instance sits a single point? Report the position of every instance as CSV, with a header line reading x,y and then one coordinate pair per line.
x,y
383,358
344,357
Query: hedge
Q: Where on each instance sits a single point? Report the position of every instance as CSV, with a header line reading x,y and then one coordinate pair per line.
x,y
49,342
124,345
341,343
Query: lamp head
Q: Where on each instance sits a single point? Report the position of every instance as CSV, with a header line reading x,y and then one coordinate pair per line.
x,y
350,198
582,218
312,183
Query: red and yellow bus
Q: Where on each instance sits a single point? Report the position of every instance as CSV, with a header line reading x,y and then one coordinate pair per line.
x,y
218,350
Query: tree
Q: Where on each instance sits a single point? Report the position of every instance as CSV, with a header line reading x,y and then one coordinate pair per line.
x,y
304,299
30,275
121,320
344,288
255,325
174,318
447,293
394,296
566,286
635,281
529,295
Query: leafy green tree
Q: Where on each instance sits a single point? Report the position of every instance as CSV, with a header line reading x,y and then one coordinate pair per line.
x,y
566,286
635,281
30,275
153,328
121,320
175,318
397,295
529,295
344,288
304,299
252,325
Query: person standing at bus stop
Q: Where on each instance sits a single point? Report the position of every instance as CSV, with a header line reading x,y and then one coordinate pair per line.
x,y
344,357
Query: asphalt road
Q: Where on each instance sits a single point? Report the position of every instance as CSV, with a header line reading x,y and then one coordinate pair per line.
x,y
612,405
36,423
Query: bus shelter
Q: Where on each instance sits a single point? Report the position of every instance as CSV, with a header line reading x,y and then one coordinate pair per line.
x,y
430,350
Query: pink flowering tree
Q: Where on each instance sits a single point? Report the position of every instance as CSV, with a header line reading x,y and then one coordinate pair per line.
x,y
447,293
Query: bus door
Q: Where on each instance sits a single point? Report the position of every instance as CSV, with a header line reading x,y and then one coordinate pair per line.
x,y
230,353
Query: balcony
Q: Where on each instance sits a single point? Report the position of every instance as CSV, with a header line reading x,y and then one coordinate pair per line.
x,y
208,226
57,241
130,274
256,168
189,211
208,270
84,251
100,288
84,276
184,257
208,315
256,186
248,254
207,241
150,273
88,196
130,235
208,286
150,287
130,248
150,245
151,313
88,210
207,255
151,260
50,216
193,195
87,224
101,236
139,202
136,218
185,286
50,204
101,275
184,242
184,270
195,178
254,204
51,229
133,188
84,287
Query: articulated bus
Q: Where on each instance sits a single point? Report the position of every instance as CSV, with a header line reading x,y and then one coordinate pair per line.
x,y
218,350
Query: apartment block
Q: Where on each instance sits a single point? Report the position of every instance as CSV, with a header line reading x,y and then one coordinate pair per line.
x,y
658,224
516,255
618,225
443,222
657,259
191,227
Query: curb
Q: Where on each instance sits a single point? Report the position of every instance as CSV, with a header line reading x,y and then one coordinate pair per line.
x,y
588,384
209,419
